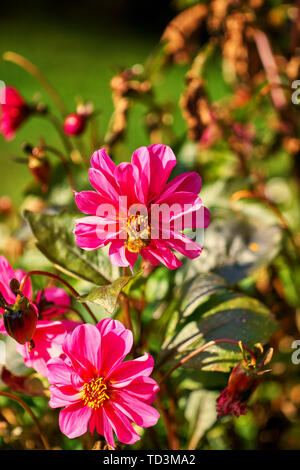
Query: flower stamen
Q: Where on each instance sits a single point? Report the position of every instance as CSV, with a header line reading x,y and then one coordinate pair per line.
x,y
138,233
93,393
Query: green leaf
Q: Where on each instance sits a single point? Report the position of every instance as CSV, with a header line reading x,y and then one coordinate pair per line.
x,y
235,248
195,291
107,296
209,315
55,239
200,412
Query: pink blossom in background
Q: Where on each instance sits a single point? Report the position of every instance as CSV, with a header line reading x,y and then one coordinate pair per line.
x,y
74,124
142,184
99,390
49,334
14,111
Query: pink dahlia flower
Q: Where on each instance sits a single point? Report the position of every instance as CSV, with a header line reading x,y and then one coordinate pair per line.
x,y
49,334
97,389
136,209
14,111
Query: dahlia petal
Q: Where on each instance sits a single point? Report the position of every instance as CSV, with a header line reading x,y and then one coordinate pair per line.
x,y
127,176
121,425
90,237
89,242
114,348
183,244
155,164
73,420
163,254
7,294
141,160
100,421
97,221
141,413
104,427
55,296
175,205
93,422
82,348
58,372
48,339
187,182
147,255
63,396
131,258
6,274
166,156
105,184
143,388
108,328
199,218
123,374
96,226
117,253
108,324
101,161
89,202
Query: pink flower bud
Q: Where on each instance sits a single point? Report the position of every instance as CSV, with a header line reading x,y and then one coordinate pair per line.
x,y
74,124
20,321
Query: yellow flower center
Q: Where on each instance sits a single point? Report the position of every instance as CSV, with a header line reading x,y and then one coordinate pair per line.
x,y
138,233
93,393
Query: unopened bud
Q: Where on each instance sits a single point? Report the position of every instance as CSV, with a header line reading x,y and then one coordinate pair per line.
x,y
20,320
75,124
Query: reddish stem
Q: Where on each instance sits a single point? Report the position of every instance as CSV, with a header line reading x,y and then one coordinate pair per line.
x,y
201,349
173,441
62,281
65,163
126,306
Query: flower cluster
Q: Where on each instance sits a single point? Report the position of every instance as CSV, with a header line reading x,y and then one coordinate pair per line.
x,y
85,365
97,376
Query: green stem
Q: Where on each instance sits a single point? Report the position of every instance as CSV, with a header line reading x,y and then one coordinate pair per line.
x,y
126,306
36,73
201,349
57,125
65,163
59,279
71,309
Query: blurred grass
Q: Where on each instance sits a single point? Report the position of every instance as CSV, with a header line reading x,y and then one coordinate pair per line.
x,y
79,61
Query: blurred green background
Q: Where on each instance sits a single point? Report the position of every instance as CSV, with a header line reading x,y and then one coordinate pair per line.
x,y
78,47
